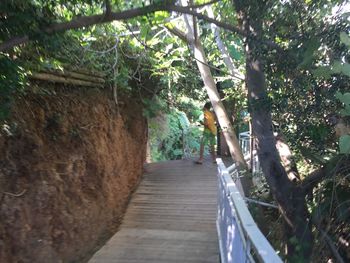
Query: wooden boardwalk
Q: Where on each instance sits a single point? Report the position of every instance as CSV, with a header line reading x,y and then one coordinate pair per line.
x,y
171,217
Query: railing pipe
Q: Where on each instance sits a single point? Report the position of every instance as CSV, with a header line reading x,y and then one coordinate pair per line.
x,y
240,239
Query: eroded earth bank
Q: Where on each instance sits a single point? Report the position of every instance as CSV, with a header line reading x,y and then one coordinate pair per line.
x,y
69,160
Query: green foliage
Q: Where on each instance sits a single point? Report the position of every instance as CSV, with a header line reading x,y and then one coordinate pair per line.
x,y
309,50
332,208
345,99
28,17
303,84
344,140
172,136
152,107
345,39
337,67
190,107
344,144
173,131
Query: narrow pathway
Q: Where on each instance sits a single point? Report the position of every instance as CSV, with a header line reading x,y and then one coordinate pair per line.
x,y
171,217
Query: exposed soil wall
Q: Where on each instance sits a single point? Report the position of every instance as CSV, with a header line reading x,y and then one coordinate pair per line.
x,y
68,163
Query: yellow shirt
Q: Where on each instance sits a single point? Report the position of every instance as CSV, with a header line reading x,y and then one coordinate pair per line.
x,y
209,121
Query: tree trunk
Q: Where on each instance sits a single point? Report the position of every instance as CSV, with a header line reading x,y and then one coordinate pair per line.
x,y
287,159
213,94
223,49
218,107
290,198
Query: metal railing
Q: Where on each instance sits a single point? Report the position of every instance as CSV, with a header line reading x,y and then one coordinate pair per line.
x,y
240,239
244,142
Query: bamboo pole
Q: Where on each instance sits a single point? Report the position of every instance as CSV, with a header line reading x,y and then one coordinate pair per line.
x,y
75,75
66,80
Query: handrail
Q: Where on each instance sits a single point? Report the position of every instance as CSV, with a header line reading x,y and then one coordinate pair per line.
x,y
240,239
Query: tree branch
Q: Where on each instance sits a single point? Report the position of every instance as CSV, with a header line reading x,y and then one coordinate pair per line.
x,y
177,32
331,246
313,179
338,164
328,241
86,21
186,10
234,29
223,49
108,7
204,4
195,29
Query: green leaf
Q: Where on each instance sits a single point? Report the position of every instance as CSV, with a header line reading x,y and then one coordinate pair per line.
x,y
311,46
153,41
144,32
346,69
344,98
324,72
345,39
344,144
337,67
160,16
345,112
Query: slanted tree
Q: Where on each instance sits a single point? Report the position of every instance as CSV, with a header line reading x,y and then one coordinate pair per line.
x,y
193,40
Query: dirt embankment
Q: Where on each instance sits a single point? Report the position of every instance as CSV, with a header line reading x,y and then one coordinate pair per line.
x,y
68,163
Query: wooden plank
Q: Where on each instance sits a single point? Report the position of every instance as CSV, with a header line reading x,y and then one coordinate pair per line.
x,y
154,245
171,217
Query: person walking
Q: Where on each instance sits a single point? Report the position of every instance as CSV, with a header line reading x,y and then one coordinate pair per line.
x,y
209,133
